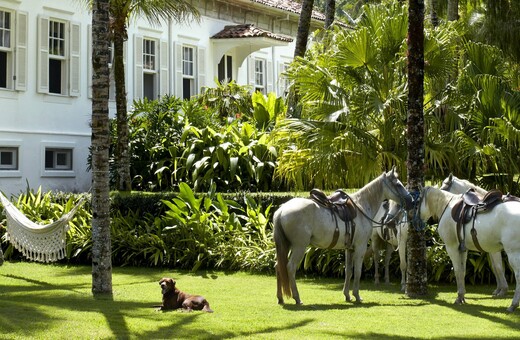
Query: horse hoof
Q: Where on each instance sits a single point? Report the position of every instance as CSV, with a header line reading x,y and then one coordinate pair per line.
x,y
500,293
511,309
460,302
280,301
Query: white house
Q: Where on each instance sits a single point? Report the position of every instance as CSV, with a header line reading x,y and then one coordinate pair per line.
x,y
45,74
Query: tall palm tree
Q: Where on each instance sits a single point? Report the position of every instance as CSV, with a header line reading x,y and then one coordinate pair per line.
x,y
302,36
354,95
330,12
101,244
121,12
416,284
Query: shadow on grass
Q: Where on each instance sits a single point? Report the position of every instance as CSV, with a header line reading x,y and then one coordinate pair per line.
x,y
179,328
337,306
16,308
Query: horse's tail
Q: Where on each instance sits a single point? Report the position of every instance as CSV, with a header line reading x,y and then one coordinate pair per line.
x,y
282,252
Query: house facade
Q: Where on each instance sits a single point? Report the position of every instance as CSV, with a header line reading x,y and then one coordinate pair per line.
x,y
45,74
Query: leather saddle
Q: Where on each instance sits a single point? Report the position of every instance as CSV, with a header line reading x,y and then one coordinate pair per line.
x,y
340,204
467,208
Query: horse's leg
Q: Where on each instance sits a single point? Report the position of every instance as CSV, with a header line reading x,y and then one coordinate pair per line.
x,y
297,253
498,269
388,256
403,264
514,261
376,246
458,259
357,256
348,273
279,293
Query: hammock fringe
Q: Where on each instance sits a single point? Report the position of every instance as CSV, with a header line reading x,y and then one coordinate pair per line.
x,y
42,243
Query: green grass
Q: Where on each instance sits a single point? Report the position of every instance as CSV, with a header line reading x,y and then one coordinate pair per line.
x,y
55,302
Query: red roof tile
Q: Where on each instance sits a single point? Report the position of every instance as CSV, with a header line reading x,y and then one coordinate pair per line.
x,y
248,31
290,6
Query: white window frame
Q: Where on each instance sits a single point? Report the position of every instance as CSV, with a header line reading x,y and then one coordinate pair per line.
x,y
16,52
150,67
68,153
188,69
260,75
7,48
14,151
228,69
69,56
61,54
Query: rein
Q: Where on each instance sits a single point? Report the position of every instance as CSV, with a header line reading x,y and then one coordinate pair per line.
x,y
417,214
377,223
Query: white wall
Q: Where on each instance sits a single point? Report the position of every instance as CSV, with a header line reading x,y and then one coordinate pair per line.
x,y
33,121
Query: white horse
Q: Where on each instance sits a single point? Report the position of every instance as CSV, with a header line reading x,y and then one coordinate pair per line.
x,y
391,230
301,222
460,186
497,229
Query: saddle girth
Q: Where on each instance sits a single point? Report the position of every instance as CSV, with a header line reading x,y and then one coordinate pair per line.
x,y
467,208
340,204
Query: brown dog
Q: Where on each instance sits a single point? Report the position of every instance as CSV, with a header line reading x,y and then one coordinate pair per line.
x,y
173,298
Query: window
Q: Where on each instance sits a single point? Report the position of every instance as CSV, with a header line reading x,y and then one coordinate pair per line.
x,y
149,69
58,159
260,75
225,69
5,49
8,158
188,72
283,81
59,57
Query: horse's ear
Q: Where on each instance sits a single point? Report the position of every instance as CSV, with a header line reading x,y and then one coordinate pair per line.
x,y
450,176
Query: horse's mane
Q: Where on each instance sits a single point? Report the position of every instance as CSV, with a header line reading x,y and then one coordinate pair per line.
x,y
437,200
369,193
470,185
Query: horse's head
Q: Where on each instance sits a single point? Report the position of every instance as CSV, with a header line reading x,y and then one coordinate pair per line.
x,y
396,191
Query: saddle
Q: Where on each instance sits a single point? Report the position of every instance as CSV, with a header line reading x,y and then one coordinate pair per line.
x,y
340,204
468,207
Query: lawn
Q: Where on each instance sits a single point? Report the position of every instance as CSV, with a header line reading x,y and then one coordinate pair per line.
x,y
54,302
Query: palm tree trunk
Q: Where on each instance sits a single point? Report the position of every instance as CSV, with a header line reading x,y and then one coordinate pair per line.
x,y
330,12
304,25
122,152
453,10
417,275
434,5
101,243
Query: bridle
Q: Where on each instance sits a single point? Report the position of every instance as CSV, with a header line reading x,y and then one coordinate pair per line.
x,y
402,200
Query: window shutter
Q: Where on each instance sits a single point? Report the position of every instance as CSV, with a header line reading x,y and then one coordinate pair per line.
x,y
178,69
138,67
164,80
20,83
74,65
269,77
89,58
251,71
43,54
201,68
281,79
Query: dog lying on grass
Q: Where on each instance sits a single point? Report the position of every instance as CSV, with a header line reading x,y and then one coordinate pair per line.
x,y
173,298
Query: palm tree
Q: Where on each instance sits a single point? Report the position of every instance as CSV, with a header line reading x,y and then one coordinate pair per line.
x,y
121,12
416,284
354,99
300,47
330,12
101,244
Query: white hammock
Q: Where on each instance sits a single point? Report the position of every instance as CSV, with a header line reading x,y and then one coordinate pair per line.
x,y
43,243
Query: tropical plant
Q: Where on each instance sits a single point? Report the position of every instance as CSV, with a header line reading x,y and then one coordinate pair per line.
x,y
354,101
121,12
